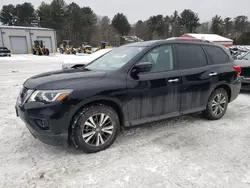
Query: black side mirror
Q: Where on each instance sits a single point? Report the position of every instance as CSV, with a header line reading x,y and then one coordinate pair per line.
x,y
142,67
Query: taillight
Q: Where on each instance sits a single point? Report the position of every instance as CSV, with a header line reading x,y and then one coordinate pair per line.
x,y
237,68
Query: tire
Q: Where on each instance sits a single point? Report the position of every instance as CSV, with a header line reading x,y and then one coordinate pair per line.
x,y
33,52
46,51
81,128
212,105
40,52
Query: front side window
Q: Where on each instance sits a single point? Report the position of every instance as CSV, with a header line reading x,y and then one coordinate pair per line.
x,y
190,56
161,58
216,54
115,59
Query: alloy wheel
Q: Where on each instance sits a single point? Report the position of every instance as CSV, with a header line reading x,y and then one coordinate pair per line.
x,y
97,129
219,104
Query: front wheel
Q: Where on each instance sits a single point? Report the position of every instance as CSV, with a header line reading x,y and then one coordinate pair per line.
x,y
33,51
95,128
217,104
46,51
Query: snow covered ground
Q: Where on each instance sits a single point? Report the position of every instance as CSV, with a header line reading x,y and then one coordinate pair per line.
x,y
188,151
52,57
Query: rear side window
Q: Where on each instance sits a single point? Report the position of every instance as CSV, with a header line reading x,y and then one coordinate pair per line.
x,y
190,56
216,54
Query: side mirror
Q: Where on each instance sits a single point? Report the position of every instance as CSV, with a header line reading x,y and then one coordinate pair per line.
x,y
142,67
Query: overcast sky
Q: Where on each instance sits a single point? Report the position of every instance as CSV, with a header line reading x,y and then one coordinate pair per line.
x,y
143,9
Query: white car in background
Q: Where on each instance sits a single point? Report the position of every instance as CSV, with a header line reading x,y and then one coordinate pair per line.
x,y
83,60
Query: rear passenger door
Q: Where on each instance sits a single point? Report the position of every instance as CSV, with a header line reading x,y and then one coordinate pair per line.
x,y
195,77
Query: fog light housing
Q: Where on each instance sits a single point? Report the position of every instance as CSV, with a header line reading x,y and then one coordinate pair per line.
x,y
43,124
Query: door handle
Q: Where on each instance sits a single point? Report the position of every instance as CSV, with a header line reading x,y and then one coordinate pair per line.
x,y
213,74
173,80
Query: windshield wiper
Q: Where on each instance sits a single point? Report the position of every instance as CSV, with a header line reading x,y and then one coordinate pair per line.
x,y
78,66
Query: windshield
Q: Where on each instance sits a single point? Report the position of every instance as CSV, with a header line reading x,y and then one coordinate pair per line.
x,y
99,53
115,59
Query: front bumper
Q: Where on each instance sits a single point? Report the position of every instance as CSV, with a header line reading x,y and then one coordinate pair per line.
x,y
48,123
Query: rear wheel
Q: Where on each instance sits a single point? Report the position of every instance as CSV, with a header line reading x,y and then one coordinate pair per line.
x,y
217,104
95,128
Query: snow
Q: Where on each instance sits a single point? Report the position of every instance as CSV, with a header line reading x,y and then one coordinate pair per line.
x,y
187,151
132,38
52,57
20,27
210,37
241,47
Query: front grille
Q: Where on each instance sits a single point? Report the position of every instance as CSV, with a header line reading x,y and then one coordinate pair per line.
x,y
245,71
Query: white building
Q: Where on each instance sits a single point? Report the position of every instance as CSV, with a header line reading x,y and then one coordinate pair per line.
x,y
21,39
211,38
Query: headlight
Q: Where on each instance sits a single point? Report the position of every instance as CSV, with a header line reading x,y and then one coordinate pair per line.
x,y
49,95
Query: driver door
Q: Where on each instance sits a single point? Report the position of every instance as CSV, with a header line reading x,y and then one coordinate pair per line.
x,y
154,95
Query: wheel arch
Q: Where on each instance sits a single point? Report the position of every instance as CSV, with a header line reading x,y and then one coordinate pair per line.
x,y
111,102
227,89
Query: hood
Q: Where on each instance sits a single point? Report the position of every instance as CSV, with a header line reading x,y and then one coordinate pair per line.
x,y
62,79
243,63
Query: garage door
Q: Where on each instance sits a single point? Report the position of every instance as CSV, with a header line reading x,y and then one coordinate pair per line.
x,y
18,45
46,42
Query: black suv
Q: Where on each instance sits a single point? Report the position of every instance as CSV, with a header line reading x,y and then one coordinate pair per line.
x,y
133,84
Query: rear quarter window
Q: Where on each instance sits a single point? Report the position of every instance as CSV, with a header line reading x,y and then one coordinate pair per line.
x,y
216,54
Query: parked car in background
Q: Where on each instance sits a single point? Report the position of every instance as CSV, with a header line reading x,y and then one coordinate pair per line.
x,y
245,73
245,56
243,60
5,51
133,84
84,60
237,52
